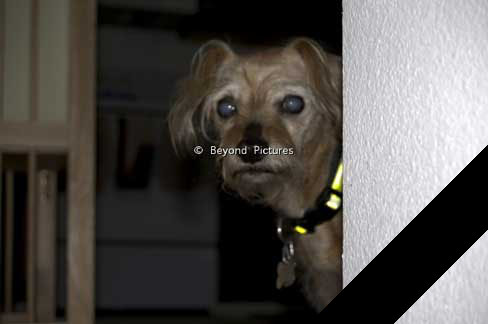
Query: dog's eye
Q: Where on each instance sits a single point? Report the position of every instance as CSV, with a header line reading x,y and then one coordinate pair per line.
x,y
226,108
292,104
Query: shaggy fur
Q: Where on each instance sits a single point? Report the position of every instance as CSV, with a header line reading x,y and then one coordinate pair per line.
x,y
290,184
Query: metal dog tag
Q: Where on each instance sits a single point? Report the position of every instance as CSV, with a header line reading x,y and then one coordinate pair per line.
x,y
286,274
286,268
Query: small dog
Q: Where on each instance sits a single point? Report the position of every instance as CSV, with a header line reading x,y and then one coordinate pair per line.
x,y
287,100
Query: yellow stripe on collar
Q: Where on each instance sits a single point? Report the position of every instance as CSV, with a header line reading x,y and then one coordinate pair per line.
x,y
337,183
300,230
334,202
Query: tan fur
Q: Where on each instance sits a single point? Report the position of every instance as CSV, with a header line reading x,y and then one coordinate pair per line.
x,y
291,183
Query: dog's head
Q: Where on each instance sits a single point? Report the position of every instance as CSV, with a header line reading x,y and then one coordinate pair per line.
x,y
281,98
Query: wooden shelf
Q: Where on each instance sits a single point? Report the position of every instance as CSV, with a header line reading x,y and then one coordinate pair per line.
x,y
25,136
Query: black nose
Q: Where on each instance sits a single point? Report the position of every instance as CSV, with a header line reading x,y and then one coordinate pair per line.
x,y
253,142
252,154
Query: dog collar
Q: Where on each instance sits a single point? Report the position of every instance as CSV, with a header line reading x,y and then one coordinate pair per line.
x,y
328,204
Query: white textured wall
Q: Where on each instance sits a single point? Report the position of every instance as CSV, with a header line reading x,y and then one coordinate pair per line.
x,y
415,114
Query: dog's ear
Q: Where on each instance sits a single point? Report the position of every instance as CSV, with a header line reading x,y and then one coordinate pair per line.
x,y
209,57
325,73
188,120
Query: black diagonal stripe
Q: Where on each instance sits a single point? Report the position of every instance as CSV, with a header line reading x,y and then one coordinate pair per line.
x,y
419,255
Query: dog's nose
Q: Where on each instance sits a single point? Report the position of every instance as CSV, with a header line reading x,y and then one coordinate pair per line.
x,y
253,152
254,143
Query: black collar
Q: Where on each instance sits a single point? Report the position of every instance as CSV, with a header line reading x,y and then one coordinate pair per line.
x,y
328,204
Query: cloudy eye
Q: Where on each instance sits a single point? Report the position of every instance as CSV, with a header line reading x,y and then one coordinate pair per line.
x,y
226,108
292,104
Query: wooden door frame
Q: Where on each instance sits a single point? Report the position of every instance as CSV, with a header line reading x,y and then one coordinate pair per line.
x,y
81,164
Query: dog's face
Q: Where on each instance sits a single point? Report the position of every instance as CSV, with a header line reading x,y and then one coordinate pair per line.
x,y
280,108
